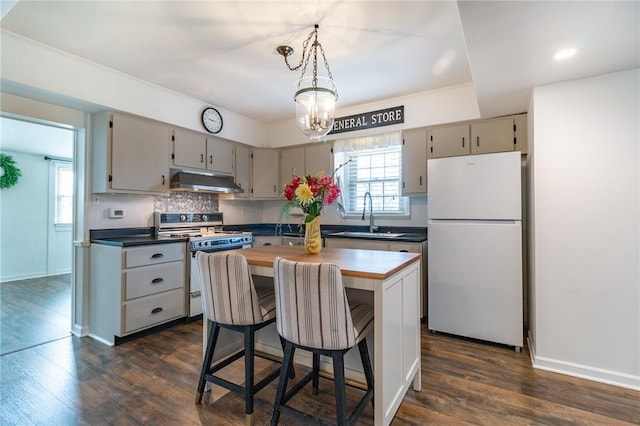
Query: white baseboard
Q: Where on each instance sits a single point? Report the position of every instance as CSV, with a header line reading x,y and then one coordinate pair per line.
x,y
101,340
80,331
32,275
582,371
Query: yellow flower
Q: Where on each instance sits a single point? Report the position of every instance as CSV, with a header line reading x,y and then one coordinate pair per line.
x,y
304,194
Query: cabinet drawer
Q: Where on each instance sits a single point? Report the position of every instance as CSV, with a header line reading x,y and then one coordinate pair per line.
x,y
152,254
147,280
151,310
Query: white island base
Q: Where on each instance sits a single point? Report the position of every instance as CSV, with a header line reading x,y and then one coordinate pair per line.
x,y
390,281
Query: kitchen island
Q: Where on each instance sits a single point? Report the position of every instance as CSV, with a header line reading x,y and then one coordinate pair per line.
x,y
390,282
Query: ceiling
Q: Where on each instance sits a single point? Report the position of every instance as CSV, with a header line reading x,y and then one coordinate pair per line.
x,y
33,138
223,52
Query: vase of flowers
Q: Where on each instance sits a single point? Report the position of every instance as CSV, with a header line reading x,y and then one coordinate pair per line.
x,y
310,194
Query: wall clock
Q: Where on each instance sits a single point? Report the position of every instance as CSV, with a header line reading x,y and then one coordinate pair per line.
x,y
212,120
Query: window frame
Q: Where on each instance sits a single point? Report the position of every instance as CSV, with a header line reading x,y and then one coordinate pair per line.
x,y
58,168
371,146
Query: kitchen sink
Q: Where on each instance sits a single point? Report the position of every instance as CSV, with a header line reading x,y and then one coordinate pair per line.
x,y
366,234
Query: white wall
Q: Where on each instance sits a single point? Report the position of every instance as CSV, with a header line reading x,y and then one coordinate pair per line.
x,y
26,64
24,220
138,211
585,212
447,105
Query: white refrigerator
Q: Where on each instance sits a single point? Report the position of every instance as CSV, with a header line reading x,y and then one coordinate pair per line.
x,y
475,247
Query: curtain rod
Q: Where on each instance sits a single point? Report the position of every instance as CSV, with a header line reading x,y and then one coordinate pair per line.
x,y
68,160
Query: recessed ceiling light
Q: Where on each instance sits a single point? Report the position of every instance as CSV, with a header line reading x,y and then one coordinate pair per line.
x,y
563,54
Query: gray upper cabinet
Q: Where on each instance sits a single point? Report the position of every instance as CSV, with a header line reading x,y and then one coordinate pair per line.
x,y
449,141
292,163
189,149
318,158
220,156
414,162
198,151
243,171
305,160
479,137
265,174
130,154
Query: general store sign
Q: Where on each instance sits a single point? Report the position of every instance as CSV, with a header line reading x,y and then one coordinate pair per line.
x,y
368,120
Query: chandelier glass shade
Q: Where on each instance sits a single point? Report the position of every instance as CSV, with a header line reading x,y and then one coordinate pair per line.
x,y
315,95
315,106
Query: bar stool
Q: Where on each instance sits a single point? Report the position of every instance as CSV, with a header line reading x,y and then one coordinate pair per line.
x,y
230,300
313,314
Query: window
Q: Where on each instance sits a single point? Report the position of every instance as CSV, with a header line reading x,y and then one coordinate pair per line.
x,y
63,194
372,164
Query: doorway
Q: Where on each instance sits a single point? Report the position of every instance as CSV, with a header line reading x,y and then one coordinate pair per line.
x,y
36,222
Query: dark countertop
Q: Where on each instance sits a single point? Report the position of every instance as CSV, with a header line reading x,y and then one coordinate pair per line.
x,y
129,237
411,234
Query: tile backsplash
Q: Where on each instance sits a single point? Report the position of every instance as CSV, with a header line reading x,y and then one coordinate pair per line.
x,y
176,202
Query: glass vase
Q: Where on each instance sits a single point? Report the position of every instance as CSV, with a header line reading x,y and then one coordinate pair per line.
x,y
312,236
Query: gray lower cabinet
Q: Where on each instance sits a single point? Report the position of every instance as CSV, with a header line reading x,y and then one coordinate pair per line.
x,y
410,247
135,288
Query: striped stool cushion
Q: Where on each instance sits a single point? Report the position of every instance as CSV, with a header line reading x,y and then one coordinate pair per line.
x,y
362,318
267,302
313,309
228,293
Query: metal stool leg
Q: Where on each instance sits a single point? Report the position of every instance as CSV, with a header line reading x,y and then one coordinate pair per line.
x,y
287,362
206,362
338,377
366,366
316,372
249,350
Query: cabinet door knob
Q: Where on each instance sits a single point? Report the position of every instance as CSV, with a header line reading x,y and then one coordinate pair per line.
x,y
156,310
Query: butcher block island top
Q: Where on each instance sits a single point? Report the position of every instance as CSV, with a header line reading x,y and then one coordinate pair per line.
x,y
378,265
387,280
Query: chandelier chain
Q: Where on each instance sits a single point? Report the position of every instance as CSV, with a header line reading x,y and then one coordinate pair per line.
x,y
326,64
304,51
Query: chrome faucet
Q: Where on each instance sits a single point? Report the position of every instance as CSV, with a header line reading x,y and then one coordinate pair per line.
x,y
364,208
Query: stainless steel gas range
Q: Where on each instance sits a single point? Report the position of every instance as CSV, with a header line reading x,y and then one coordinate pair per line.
x,y
204,232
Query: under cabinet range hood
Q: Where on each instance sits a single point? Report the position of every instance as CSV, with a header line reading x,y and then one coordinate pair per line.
x,y
196,182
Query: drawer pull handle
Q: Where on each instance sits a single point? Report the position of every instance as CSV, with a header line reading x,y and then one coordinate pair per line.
x,y
157,280
403,251
157,256
156,310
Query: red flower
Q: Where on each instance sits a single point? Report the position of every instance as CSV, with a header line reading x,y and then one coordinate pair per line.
x,y
322,188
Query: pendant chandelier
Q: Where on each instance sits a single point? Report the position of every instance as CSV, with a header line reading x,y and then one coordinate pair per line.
x,y
315,96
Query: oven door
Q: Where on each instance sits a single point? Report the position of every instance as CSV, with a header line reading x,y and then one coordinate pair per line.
x,y
195,281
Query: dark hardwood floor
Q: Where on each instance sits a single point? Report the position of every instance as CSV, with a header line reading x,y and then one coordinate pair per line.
x,y
152,380
34,311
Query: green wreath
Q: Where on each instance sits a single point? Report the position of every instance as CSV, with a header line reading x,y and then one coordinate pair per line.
x,y
11,172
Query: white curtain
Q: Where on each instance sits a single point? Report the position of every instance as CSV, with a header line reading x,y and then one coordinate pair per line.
x,y
343,146
367,142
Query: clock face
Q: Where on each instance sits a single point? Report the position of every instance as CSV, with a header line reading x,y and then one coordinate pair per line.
x,y
212,120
